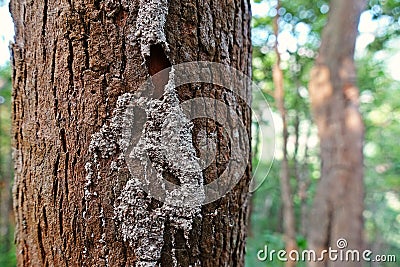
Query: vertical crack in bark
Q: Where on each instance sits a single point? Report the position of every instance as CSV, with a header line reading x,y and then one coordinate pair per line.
x,y
45,8
85,44
123,57
60,215
40,241
70,62
55,181
66,174
63,140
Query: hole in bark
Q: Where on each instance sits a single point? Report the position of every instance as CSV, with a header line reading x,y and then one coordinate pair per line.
x,y
154,204
171,177
156,62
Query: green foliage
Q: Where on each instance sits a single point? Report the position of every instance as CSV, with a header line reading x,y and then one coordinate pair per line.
x,y
380,97
5,109
5,120
7,248
386,12
300,24
7,251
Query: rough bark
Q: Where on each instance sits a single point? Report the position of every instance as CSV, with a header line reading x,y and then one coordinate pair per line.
x,y
338,205
74,65
289,224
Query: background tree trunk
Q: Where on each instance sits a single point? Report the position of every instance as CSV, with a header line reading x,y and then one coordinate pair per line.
x,y
338,205
289,221
72,60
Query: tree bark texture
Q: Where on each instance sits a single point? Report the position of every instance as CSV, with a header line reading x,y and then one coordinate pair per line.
x,y
72,62
338,205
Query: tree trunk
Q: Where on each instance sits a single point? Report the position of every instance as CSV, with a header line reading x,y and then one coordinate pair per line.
x,y
75,66
338,205
289,224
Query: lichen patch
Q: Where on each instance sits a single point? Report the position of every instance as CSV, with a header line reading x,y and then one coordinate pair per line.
x,y
150,25
165,145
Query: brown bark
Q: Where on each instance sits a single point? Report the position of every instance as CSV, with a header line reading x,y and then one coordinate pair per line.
x,y
289,224
71,62
338,205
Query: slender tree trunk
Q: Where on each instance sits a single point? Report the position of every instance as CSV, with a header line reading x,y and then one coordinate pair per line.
x,y
289,224
74,65
303,188
338,205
